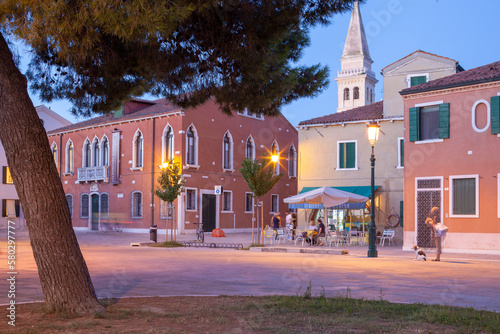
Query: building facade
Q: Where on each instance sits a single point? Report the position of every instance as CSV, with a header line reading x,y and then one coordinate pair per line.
x,y
109,166
452,133
334,149
9,201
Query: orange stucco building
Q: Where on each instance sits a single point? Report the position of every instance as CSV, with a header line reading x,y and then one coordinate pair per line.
x,y
109,165
452,137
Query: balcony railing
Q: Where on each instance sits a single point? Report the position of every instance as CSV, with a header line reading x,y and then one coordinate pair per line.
x,y
98,173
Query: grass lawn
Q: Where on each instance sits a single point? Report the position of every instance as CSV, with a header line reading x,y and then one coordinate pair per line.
x,y
270,314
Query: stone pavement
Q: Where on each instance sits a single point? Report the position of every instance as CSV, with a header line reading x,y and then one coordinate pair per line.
x,y
119,270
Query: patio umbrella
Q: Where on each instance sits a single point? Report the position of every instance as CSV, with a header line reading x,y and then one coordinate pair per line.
x,y
327,196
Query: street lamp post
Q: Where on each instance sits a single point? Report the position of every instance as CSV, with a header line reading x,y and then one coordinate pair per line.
x,y
373,132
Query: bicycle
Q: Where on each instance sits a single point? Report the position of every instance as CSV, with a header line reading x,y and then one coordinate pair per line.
x,y
200,234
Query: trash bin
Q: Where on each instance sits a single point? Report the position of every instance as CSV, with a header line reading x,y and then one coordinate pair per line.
x,y
153,233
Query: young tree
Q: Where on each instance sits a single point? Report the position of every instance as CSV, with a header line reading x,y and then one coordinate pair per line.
x,y
171,185
99,53
260,179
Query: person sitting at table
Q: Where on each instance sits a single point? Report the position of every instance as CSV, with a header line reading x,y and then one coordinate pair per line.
x,y
312,230
321,232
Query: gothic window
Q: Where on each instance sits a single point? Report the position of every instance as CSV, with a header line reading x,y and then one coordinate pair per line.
x,y
105,151
96,151
69,157
355,93
250,149
87,154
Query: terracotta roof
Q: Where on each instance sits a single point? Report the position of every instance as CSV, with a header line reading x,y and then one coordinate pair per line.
x,y
158,107
486,73
419,51
369,112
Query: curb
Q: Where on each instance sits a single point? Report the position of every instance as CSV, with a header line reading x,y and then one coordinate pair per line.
x,y
300,250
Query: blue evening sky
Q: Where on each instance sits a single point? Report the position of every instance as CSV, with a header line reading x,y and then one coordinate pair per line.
x,y
466,31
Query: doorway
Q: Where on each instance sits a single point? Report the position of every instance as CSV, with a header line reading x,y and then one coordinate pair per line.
x,y
94,220
209,212
428,195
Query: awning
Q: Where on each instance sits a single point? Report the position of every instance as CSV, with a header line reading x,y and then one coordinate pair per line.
x,y
358,190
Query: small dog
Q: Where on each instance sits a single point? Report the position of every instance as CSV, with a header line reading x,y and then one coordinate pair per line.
x,y
419,254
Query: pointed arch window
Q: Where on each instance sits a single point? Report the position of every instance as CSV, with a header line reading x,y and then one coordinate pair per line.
x,y
95,151
292,162
275,151
227,151
138,147
191,146
87,154
355,93
105,151
168,144
250,149
69,157
53,149
346,94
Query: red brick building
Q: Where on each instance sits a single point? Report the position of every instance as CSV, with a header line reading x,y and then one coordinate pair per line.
x,y
109,165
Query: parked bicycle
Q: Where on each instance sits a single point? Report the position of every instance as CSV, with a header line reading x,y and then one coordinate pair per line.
x,y
200,234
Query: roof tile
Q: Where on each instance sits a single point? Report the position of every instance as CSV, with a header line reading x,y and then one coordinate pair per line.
x,y
369,112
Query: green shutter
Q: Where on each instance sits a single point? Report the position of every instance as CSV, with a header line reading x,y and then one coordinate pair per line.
x,y
351,155
341,155
417,80
402,151
401,213
495,115
414,119
444,120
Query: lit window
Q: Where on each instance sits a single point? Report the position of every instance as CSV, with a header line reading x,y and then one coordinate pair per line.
x,y
275,152
7,177
10,208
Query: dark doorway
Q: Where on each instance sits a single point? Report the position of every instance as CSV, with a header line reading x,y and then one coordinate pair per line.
x,y
95,213
208,212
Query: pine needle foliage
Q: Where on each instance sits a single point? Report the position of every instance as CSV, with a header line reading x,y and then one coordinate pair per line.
x,y
100,53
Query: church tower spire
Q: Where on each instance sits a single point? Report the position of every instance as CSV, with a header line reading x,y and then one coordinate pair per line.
x,y
356,80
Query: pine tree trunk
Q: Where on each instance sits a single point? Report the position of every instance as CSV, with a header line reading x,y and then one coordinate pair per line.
x,y
64,276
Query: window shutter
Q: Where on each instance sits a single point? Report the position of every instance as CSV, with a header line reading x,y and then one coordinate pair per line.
x,y
351,155
4,174
495,115
401,213
4,208
417,80
414,118
342,155
444,120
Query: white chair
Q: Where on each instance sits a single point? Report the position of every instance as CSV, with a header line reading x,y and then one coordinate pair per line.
x,y
270,235
389,236
280,237
299,237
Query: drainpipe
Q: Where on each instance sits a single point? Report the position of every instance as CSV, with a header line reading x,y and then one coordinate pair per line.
x,y
153,177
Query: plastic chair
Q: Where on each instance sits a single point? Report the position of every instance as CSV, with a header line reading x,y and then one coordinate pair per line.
x,y
269,234
387,235
280,237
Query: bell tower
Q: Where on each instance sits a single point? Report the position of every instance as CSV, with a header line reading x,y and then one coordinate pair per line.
x,y
356,80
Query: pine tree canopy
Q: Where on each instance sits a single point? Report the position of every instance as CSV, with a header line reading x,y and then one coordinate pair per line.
x,y
100,53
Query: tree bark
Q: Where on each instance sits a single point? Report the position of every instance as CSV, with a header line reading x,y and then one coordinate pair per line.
x,y
64,275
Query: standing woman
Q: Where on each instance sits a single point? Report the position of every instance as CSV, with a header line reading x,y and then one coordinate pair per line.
x,y
432,220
